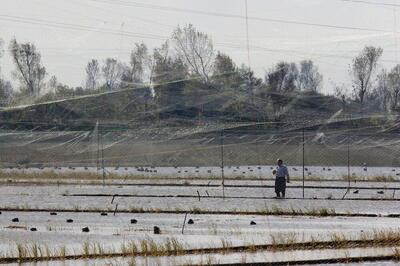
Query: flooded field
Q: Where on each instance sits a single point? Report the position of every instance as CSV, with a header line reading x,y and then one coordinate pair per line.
x,y
322,173
164,221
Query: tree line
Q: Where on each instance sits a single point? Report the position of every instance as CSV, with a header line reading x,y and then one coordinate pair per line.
x,y
190,55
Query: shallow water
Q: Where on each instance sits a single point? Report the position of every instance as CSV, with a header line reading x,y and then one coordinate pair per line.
x,y
262,171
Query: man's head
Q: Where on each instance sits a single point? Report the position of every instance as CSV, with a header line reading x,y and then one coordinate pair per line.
x,y
279,162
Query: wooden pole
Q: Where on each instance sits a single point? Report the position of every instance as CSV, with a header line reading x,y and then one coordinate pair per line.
x,y
184,222
198,194
116,208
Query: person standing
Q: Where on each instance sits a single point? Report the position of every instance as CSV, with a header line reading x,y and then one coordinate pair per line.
x,y
281,172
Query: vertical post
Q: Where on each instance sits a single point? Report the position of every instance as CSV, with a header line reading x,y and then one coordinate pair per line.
x,y
98,149
303,160
247,33
258,159
222,163
102,161
116,208
348,159
184,222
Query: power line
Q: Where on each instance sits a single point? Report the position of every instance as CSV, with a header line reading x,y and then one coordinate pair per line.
x,y
227,15
70,26
371,3
285,51
120,33
130,18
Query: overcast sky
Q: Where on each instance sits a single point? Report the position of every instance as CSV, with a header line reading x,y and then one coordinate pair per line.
x,y
69,33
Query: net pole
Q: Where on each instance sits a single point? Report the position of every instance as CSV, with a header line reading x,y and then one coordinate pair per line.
x,y
98,149
348,159
102,161
222,163
303,160
247,33
258,160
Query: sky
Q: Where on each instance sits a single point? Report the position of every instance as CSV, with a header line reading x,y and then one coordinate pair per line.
x,y
69,33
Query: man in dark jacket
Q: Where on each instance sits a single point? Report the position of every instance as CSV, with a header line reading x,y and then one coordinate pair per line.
x,y
281,172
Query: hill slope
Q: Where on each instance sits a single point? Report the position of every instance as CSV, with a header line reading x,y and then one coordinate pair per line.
x,y
183,103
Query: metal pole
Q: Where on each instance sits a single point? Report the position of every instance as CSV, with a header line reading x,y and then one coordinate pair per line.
x,y
303,161
222,163
247,34
98,149
102,161
348,159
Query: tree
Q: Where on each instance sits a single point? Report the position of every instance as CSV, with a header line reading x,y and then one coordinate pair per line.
x,y
52,84
341,92
113,72
195,49
394,86
64,91
92,75
309,77
168,75
282,78
79,91
249,81
140,59
29,69
6,92
167,68
225,71
381,92
1,51
362,69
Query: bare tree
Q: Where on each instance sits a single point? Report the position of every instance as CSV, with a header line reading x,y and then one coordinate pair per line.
x,y
140,60
6,92
92,75
52,84
341,92
29,69
394,86
362,69
113,71
1,51
195,49
381,92
309,77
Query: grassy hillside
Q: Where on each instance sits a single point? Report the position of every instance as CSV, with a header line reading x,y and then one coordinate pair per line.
x,y
187,103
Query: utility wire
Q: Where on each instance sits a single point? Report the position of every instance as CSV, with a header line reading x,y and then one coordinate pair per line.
x,y
371,3
71,26
235,16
